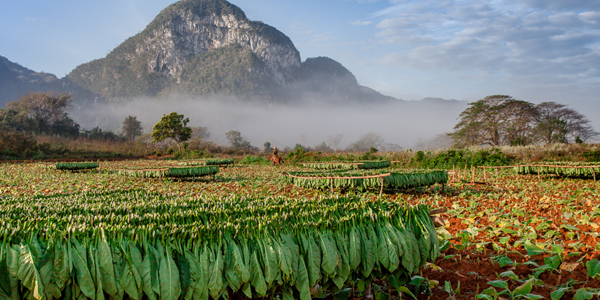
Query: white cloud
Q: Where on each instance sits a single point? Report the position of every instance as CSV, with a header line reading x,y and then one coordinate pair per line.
x,y
361,23
523,39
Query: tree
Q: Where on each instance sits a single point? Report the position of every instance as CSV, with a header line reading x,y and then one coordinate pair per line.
x,y
334,141
303,139
172,127
132,128
267,147
237,141
200,132
323,147
366,142
41,110
558,124
494,120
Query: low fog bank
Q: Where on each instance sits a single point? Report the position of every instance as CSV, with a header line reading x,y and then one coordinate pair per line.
x,y
404,123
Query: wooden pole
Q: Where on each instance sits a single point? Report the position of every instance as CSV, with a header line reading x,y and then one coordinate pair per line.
x,y
594,172
453,174
381,191
484,175
472,174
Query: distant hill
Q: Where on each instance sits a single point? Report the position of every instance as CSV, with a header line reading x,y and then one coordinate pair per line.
x,y
16,80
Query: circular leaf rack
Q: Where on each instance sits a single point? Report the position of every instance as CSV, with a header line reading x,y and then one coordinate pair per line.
x,y
71,166
360,165
173,172
208,162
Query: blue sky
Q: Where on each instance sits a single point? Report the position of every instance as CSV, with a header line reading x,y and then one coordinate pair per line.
x,y
534,50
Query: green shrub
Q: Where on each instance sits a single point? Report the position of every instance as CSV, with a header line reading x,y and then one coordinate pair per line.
x,y
461,158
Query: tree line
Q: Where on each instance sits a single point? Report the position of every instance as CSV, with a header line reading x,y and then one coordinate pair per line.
x,y
46,114
500,120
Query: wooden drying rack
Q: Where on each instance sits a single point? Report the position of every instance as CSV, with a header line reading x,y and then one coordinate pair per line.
x,y
344,177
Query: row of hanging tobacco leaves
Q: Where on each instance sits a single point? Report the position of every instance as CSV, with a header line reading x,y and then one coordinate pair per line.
x,y
349,166
140,244
563,169
175,172
208,162
74,166
397,179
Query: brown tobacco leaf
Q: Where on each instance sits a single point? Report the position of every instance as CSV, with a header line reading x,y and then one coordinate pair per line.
x,y
567,266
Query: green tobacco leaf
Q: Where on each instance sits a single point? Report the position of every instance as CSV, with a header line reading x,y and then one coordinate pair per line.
x,y
525,288
557,294
302,282
257,278
368,255
239,266
499,284
329,256
533,250
314,261
84,277
127,281
99,287
28,273
406,291
146,275
170,287
216,274
510,274
584,294
288,294
354,249
61,269
505,261
194,274
593,268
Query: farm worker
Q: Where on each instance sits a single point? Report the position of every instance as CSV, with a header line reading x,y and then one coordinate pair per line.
x,y
275,151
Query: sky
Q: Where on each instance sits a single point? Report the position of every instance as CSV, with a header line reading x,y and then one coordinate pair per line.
x,y
533,50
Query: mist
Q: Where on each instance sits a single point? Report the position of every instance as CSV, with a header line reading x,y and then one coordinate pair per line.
x,y
403,122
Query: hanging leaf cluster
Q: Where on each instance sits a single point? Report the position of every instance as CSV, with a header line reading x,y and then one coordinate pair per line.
x,y
562,169
396,179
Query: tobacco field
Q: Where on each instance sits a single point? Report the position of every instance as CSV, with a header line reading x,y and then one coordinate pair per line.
x,y
247,231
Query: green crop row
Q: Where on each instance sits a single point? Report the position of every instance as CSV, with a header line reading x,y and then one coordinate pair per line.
x,y
396,180
170,172
73,166
172,247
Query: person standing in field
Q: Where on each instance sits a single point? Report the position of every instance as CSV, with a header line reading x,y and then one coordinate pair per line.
x,y
275,151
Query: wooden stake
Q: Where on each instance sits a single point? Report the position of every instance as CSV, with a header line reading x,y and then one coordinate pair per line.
x,y
594,172
472,174
453,174
381,191
484,175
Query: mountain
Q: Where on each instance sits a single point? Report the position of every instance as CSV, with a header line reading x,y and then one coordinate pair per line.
x,y
200,48
210,47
